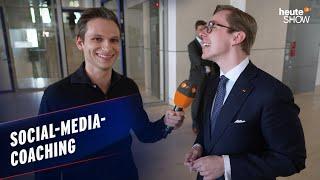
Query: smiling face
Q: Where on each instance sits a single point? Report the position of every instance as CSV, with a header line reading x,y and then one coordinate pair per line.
x,y
100,45
218,42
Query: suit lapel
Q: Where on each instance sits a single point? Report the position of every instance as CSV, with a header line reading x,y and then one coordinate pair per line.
x,y
239,93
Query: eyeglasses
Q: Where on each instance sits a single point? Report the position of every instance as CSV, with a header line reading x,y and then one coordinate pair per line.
x,y
211,25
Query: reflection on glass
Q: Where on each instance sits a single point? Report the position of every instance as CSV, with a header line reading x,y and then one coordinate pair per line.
x,y
32,33
5,81
80,3
25,3
74,57
142,47
45,15
112,4
24,38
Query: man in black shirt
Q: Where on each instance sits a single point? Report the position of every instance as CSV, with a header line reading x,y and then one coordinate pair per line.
x,y
99,39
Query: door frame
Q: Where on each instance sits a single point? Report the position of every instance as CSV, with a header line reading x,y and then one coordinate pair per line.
x,y
6,45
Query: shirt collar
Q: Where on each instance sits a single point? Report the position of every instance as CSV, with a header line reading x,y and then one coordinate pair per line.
x,y
198,39
235,72
80,76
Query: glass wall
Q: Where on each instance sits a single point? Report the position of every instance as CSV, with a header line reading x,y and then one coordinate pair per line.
x,y
5,74
42,35
143,60
74,57
80,3
32,30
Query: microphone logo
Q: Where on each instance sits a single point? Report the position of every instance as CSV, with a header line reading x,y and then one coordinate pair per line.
x,y
184,94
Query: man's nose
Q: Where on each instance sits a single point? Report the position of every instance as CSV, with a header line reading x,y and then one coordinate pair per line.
x,y
203,33
106,45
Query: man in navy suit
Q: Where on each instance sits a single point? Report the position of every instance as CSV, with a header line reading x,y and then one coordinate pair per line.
x,y
250,125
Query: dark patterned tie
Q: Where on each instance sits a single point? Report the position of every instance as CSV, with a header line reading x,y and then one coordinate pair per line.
x,y
218,103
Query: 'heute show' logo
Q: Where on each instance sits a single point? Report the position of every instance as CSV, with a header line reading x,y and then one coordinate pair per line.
x,y
296,16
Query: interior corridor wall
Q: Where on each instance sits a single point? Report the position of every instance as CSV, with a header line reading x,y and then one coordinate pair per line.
x,y
267,52
269,47
134,43
187,12
318,71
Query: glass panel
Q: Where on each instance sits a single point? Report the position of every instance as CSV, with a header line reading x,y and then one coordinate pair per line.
x,y
23,3
74,57
80,3
5,81
142,47
112,4
33,41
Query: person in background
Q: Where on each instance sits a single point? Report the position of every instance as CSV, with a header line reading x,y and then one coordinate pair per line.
x,y
200,69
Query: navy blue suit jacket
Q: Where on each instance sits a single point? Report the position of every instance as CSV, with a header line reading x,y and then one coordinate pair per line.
x,y
269,142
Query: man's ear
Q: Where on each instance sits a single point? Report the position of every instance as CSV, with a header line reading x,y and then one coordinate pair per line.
x,y
238,37
79,43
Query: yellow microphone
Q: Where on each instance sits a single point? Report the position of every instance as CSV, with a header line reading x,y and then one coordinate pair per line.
x,y
182,99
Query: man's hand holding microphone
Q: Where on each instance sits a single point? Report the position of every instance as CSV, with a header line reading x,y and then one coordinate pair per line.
x,y
174,119
182,99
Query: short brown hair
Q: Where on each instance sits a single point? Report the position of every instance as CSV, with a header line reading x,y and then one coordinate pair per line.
x,y
199,23
92,13
240,21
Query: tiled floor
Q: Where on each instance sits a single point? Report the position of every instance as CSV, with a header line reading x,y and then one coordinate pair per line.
x,y
164,159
